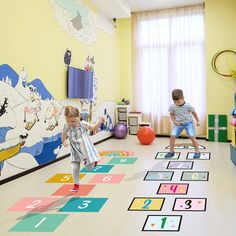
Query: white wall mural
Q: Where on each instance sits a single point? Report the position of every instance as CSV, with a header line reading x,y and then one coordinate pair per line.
x,y
31,121
79,21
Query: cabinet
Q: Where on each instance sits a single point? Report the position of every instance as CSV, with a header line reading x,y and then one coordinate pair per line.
x,y
122,113
134,119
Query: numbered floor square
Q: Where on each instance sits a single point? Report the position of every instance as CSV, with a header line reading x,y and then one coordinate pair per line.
x,y
185,146
162,223
117,153
173,188
203,156
33,204
123,160
63,178
65,190
159,175
84,205
146,204
195,176
98,169
161,155
180,165
190,204
39,223
107,178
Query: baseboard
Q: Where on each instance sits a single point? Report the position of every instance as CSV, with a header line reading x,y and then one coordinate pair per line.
x,y
228,141
185,137
42,166
32,170
202,138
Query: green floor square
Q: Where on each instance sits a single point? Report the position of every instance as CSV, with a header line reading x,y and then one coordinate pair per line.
x,y
84,205
39,223
98,169
123,160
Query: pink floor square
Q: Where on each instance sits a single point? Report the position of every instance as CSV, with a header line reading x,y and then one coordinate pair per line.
x,y
107,178
33,204
190,204
173,189
64,190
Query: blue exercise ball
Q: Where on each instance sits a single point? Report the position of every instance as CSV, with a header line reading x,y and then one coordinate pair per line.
x,y
120,131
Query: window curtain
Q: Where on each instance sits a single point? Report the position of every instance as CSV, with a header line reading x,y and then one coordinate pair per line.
x,y
168,53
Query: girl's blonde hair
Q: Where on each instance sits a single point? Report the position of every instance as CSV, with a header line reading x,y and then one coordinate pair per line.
x,y
71,112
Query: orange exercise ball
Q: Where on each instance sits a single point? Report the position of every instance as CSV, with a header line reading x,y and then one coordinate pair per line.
x,y
146,135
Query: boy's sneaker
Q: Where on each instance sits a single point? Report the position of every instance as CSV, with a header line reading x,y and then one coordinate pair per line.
x,y
196,155
169,154
75,188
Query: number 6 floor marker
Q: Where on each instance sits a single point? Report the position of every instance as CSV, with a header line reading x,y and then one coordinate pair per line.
x,y
107,178
195,176
162,223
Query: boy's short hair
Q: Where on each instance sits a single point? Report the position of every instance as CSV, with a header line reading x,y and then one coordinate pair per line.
x,y
177,94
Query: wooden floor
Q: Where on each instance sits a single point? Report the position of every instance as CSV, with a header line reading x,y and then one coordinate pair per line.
x,y
113,218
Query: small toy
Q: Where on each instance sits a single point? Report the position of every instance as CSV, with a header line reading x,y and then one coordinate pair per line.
x,y
123,102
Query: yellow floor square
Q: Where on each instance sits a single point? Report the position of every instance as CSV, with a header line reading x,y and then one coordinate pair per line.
x,y
146,204
63,178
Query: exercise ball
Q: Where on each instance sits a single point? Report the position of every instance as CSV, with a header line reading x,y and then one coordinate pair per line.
x,y
146,135
120,131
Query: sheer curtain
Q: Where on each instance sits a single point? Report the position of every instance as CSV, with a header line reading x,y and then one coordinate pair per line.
x,y
169,53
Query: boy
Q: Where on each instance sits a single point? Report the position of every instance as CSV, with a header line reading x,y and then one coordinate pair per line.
x,y
180,114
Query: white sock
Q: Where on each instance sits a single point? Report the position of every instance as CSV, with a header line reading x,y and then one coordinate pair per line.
x,y
75,171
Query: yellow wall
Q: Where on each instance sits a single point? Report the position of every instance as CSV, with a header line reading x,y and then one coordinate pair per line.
x,y
220,35
31,37
126,58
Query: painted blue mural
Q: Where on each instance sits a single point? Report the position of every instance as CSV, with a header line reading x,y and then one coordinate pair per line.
x,y
31,122
30,119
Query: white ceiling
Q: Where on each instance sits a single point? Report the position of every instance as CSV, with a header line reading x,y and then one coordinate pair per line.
x,y
123,8
144,5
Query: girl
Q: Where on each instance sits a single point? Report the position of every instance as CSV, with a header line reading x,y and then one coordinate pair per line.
x,y
82,148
